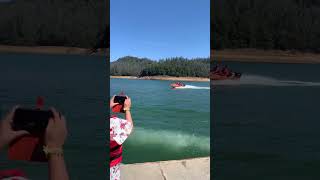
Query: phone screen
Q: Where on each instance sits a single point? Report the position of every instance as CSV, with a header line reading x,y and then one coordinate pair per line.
x,y
32,120
120,99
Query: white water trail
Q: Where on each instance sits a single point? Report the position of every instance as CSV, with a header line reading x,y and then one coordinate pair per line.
x,y
262,81
193,87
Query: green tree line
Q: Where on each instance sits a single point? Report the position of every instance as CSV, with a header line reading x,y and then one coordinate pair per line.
x,y
261,24
177,66
75,23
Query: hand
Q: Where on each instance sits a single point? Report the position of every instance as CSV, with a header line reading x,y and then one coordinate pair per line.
x,y
7,134
127,103
56,131
112,103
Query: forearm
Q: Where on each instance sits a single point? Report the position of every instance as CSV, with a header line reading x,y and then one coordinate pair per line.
x,y
128,117
57,168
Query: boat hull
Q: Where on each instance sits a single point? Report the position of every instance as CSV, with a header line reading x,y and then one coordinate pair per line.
x,y
176,86
234,76
173,85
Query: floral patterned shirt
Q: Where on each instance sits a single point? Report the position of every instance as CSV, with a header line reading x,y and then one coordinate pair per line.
x,y
119,129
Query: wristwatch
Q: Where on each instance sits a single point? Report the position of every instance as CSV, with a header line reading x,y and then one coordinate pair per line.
x,y
126,109
52,151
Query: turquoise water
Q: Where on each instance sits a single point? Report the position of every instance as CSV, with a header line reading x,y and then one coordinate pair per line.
x,y
75,85
169,124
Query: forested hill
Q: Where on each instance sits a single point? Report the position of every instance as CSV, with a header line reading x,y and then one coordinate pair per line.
x,y
261,24
178,67
75,23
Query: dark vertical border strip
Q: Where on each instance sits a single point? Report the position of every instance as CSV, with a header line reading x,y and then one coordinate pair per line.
x,y
108,90
212,122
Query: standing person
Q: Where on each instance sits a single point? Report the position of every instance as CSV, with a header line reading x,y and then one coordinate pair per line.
x,y
120,129
55,136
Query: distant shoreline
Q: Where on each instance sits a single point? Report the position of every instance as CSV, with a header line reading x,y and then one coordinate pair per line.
x,y
164,78
267,56
54,50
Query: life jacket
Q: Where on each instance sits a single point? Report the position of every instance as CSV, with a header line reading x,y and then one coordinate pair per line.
x,y
115,151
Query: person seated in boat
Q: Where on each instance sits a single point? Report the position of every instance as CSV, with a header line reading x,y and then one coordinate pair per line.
x,y
176,84
214,69
219,71
179,83
227,72
223,71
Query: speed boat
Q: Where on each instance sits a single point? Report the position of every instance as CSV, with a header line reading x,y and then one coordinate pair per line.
x,y
223,73
177,85
231,76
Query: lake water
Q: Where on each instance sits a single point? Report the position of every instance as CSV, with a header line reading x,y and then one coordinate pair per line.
x,y
75,85
169,124
266,125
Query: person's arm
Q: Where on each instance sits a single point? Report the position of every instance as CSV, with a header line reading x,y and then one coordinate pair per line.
x,y
127,106
128,117
55,136
57,168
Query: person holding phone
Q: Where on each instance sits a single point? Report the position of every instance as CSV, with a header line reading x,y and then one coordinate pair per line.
x,y
120,129
55,135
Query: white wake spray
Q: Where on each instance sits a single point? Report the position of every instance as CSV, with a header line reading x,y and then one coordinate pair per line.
x,y
262,81
193,87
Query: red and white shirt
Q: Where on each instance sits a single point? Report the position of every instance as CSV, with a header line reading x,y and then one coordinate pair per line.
x,y
119,129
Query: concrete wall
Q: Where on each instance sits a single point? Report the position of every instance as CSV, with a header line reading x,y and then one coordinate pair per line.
x,y
186,169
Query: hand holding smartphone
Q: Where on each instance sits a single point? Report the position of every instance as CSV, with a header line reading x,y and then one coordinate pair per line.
x,y
34,121
119,107
120,99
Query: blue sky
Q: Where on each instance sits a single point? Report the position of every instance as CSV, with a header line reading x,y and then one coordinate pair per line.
x,y
159,29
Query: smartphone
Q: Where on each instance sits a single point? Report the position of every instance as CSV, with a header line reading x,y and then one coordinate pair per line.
x,y
34,121
119,99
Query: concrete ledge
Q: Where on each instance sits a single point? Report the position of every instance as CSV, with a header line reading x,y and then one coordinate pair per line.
x,y
186,169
